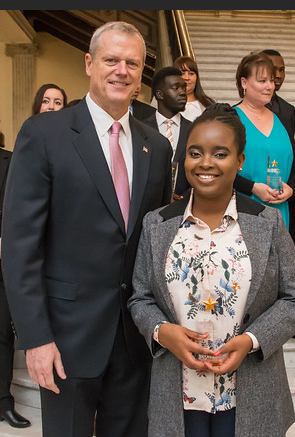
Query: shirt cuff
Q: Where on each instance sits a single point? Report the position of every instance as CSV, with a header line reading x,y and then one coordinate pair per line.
x,y
156,332
256,345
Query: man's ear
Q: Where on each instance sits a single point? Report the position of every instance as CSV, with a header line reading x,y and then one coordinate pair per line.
x,y
159,95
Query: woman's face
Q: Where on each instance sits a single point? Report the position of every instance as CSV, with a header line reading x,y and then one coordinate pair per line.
x,y
190,78
259,87
212,160
52,100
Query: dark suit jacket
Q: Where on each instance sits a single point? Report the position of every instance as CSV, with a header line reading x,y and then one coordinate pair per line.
x,y
286,113
67,262
182,184
5,157
142,110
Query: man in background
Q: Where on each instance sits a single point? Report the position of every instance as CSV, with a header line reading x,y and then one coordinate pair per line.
x,y
169,89
7,410
286,113
278,105
138,109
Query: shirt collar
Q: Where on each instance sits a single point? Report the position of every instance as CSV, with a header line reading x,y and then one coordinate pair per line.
x,y
103,121
161,119
230,212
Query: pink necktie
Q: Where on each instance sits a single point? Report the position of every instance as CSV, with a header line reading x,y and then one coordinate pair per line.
x,y
119,171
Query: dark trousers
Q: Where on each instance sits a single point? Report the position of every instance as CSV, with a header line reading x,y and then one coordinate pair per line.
x,y
116,400
203,424
6,353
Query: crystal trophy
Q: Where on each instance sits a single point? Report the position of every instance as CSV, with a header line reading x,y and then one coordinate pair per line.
x,y
174,167
274,179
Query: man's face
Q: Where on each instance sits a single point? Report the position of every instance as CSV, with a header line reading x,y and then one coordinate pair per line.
x,y
115,70
279,65
173,93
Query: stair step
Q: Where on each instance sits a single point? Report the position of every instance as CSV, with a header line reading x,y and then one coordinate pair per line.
x,y
24,390
221,38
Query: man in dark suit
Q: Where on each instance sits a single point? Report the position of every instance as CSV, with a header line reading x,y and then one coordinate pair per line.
x,y
277,104
286,113
138,109
7,411
169,89
68,254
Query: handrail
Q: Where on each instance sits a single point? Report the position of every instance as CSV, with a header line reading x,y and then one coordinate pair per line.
x,y
182,34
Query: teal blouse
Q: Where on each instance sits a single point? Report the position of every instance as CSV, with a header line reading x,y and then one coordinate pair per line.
x,y
277,146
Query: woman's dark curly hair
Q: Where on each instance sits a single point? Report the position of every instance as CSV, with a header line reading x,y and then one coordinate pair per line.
x,y
226,114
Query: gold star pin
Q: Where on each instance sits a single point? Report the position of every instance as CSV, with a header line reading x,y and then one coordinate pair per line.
x,y
274,163
210,304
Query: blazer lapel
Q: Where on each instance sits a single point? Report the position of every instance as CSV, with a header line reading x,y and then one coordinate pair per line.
x,y
89,148
162,236
257,234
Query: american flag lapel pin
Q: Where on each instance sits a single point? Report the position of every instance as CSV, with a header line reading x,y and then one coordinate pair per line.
x,y
145,149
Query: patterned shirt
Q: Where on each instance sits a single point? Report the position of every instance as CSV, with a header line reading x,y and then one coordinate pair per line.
x,y
201,264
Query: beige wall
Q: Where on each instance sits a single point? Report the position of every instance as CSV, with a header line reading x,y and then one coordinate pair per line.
x,y
56,62
62,64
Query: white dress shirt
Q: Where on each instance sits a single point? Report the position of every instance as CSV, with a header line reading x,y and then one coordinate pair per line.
x,y
103,122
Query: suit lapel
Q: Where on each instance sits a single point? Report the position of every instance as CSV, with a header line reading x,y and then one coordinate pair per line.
x,y
89,148
181,144
142,151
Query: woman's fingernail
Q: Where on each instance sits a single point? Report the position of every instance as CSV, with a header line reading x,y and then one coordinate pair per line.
x,y
216,354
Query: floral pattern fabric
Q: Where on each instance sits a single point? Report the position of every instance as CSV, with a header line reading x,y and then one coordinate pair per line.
x,y
201,264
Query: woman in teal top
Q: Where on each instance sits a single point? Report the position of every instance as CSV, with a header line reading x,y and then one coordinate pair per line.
x,y
261,151
267,140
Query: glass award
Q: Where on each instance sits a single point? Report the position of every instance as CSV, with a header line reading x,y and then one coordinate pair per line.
x,y
274,179
174,167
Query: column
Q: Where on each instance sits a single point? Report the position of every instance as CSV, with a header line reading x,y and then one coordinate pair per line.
x,y
23,76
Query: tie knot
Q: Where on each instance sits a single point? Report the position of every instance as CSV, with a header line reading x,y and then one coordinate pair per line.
x,y
116,126
169,122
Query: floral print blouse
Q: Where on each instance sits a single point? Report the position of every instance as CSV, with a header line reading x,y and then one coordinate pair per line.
x,y
201,264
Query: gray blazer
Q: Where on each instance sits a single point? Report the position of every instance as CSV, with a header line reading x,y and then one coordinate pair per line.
x,y
264,402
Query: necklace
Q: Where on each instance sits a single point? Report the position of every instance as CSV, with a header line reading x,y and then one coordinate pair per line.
x,y
253,113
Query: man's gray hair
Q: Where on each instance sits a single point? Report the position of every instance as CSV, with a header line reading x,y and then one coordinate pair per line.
x,y
121,26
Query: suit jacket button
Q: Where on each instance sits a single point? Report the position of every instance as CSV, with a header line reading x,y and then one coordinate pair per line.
x,y
123,286
246,318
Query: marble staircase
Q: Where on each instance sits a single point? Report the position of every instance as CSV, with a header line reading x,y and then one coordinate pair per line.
x,y
221,38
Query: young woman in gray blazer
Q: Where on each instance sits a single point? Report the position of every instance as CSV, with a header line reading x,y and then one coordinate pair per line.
x,y
214,297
